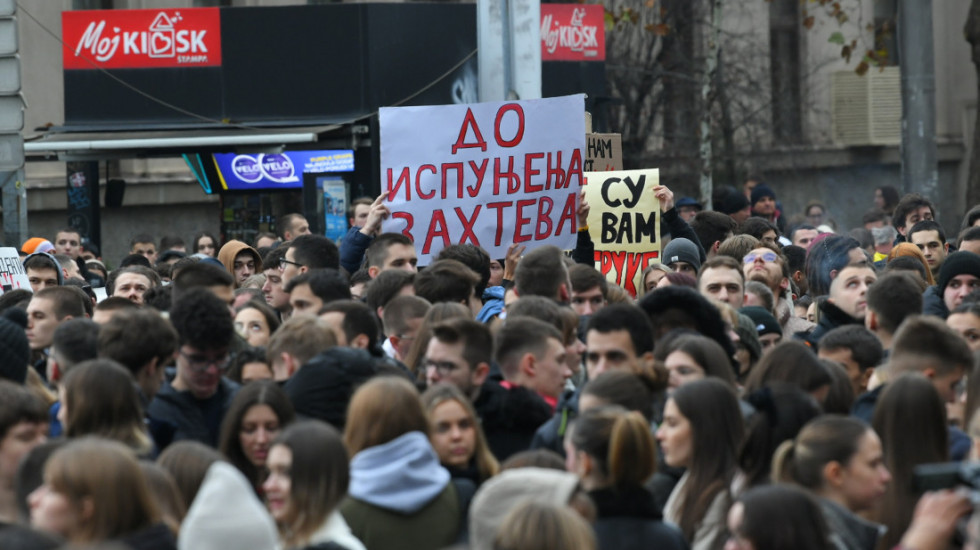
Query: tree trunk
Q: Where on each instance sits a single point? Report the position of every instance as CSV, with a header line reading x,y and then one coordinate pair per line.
x,y
972,31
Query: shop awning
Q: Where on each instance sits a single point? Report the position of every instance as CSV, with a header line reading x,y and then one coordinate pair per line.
x,y
103,145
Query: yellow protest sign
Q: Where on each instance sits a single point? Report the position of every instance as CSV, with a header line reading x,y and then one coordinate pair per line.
x,y
624,223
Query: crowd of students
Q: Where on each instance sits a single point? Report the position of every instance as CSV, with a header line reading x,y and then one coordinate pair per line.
x,y
775,386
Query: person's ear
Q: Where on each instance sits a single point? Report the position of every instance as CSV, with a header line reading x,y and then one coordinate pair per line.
x,y
929,372
833,474
528,365
373,271
480,374
865,378
833,274
360,342
871,321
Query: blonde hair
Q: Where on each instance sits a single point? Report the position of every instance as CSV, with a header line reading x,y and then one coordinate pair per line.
x,y
383,409
486,464
105,475
538,526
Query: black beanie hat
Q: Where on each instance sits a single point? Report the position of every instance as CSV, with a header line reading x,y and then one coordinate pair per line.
x,y
15,350
958,263
765,322
760,191
731,203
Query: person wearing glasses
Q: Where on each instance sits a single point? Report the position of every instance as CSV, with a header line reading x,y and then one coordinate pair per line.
x,y
308,252
198,396
767,264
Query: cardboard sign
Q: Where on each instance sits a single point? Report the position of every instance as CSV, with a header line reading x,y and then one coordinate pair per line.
x,y
573,32
603,152
139,39
490,174
12,273
624,223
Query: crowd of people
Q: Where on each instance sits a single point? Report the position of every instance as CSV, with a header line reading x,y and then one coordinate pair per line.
x,y
775,385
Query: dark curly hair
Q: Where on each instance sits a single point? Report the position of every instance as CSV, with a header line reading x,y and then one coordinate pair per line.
x,y
202,320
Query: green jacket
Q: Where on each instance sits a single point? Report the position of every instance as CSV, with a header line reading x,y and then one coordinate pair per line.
x,y
433,527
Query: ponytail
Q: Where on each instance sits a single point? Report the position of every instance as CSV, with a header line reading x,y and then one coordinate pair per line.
x,y
619,443
632,455
782,462
829,438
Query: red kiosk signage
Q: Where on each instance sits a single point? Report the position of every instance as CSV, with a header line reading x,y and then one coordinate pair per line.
x,y
573,32
140,39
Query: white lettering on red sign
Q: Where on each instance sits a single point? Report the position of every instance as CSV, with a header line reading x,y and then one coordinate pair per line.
x,y
572,32
131,39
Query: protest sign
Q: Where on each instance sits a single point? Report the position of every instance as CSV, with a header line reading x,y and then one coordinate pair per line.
x,y
489,174
624,223
12,273
603,152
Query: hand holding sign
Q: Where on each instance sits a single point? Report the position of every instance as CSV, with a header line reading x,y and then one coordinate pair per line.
x,y
514,253
666,197
378,213
583,210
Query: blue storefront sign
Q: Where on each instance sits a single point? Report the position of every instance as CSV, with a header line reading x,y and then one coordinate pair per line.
x,y
278,171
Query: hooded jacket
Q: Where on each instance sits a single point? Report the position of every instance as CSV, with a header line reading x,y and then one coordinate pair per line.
x,y
335,530
831,317
510,417
401,497
227,514
58,268
233,248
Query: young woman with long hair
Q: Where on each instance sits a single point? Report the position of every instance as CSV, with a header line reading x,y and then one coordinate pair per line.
x,y
94,491
777,517
99,398
257,414
456,434
701,431
400,496
613,453
839,460
308,477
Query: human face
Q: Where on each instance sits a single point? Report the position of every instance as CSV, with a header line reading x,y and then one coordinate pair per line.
x,y
684,267
814,216
958,288
803,237
675,437
879,199
769,237
290,268
253,327
361,212
573,354
19,440
968,325
765,207
769,341
915,216
42,278
41,322
53,512
131,286
453,434
588,301
682,369
205,245
496,273
69,243
742,214
259,428
244,266
255,371
303,301
199,371
735,540
762,264
652,279
300,227
149,250
551,370
845,357
278,486
609,350
849,290
932,247
687,213
723,284
401,256
445,363
864,478
275,296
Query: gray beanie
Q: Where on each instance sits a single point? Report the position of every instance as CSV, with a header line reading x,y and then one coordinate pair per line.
x,y
682,250
501,493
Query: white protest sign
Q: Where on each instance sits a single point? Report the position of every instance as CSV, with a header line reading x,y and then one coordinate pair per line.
x,y
490,174
12,273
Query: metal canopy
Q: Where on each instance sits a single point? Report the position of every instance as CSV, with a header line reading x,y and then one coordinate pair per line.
x,y
59,144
